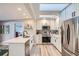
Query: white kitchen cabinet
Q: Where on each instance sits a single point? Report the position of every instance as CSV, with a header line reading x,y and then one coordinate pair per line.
x,y
74,8
46,22
38,39
77,9
18,46
69,10
53,24
41,23
62,15
53,39
31,42
38,25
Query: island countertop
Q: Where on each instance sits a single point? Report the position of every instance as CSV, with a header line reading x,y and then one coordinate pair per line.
x,y
17,46
18,40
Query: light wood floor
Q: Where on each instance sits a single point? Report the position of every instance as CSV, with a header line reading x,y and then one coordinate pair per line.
x,y
45,50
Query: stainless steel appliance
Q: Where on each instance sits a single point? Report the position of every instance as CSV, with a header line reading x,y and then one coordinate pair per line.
x,y
46,38
70,37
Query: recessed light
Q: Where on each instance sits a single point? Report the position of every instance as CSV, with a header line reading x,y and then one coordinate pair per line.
x,y
19,9
26,17
24,14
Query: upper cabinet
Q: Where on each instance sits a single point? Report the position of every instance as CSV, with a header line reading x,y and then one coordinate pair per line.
x,y
77,9
38,25
70,11
52,23
62,15
41,23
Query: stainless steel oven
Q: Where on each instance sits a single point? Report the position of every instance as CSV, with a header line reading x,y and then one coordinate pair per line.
x,y
46,38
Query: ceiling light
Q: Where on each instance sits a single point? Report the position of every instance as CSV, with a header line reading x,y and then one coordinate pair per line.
x,y
50,16
26,17
19,9
24,14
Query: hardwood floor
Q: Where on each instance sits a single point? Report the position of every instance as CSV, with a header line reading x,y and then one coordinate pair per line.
x,y
44,50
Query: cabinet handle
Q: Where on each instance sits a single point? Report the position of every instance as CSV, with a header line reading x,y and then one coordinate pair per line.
x,y
55,40
73,14
31,41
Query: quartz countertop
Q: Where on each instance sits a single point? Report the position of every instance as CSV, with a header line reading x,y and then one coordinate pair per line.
x,y
18,40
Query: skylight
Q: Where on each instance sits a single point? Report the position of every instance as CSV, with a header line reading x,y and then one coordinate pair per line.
x,y
52,7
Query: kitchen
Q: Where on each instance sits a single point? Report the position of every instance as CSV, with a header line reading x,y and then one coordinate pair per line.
x,y
34,29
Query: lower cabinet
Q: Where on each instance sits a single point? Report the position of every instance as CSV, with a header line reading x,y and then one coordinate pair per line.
x,y
17,49
39,39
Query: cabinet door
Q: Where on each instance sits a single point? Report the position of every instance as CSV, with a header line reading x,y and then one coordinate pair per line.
x,y
31,42
52,24
38,38
74,9
62,15
52,39
69,11
38,25
77,9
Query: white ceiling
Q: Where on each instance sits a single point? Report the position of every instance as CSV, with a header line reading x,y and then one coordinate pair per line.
x,y
52,7
9,11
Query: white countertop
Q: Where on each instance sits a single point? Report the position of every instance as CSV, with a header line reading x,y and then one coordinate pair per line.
x,y
18,40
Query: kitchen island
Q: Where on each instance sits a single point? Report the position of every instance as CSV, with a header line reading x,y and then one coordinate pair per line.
x,y
18,46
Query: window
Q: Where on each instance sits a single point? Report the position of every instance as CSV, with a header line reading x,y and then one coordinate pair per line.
x,y
7,29
4,29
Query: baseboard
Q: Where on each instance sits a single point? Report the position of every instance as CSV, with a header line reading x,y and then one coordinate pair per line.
x,y
69,52
43,43
57,49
